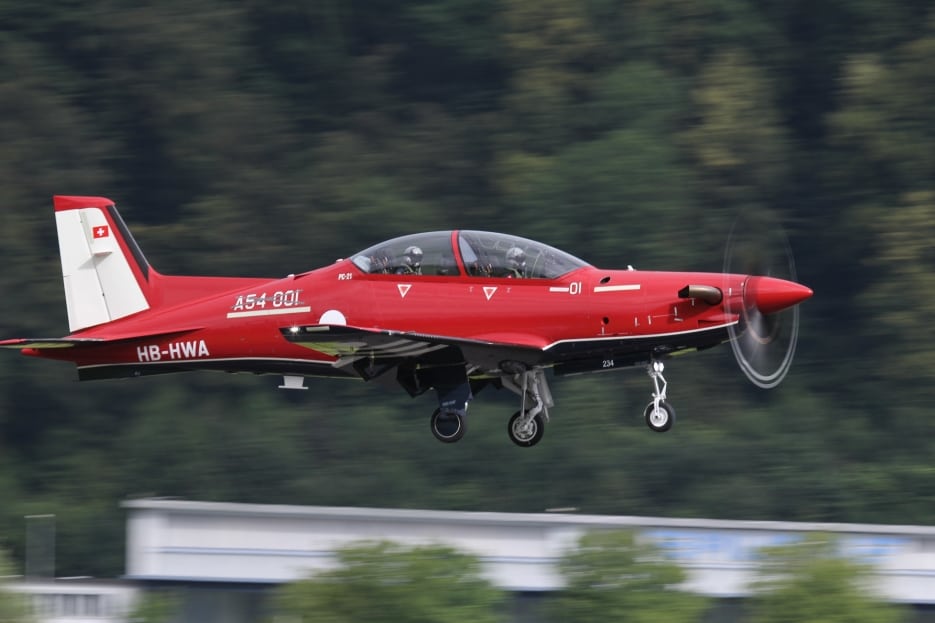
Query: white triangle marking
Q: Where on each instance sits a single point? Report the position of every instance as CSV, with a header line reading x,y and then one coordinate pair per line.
x,y
403,289
489,290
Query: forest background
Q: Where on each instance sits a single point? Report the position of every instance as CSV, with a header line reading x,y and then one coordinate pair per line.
x,y
261,139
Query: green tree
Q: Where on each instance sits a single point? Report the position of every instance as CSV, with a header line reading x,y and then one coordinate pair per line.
x,y
884,169
904,254
810,580
885,122
614,576
390,583
739,143
13,606
155,607
263,139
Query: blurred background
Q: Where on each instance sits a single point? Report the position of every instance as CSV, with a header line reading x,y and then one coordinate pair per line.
x,y
261,139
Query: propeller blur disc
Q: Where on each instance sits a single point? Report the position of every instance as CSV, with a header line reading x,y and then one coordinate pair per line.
x,y
763,344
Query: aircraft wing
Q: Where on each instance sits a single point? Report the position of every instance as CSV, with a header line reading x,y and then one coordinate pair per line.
x,y
352,344
345,342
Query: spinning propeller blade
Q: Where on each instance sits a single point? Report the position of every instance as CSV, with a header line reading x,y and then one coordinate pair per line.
x,y
765,339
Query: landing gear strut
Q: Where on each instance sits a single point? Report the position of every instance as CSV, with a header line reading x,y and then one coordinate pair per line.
x,y
659,414
527,425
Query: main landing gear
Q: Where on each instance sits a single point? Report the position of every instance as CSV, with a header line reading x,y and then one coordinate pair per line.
x,y
527,425
447,426
659,414
448,420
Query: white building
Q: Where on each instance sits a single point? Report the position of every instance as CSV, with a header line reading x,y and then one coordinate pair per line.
x,y
78,600
223,559
215,548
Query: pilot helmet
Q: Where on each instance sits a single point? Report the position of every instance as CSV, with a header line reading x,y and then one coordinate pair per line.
x,y
516,258
413,256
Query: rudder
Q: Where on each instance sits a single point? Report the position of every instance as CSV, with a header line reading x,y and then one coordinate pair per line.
x,y
104,272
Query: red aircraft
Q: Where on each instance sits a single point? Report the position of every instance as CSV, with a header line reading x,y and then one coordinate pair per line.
x,y
452,311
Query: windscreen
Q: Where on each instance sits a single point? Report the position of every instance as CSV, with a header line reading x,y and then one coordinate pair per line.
x,y
488,254
420,254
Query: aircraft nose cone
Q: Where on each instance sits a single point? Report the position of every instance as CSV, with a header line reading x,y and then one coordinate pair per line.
x,y
770,295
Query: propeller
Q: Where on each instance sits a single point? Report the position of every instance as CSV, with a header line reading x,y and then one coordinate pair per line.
x,y
764,340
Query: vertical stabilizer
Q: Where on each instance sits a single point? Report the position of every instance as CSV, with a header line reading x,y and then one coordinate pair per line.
x,y
104,272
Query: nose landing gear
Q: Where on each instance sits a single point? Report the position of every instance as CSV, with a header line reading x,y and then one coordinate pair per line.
x,y
659,414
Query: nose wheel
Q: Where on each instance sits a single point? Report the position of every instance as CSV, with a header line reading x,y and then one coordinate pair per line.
x,y
659,414
659,417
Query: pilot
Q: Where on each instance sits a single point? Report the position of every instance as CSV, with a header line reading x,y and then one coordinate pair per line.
x,y
412,262
379,263
516,262
482,269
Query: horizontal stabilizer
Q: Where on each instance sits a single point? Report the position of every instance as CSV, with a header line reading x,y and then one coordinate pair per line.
x,y
43,343
68,342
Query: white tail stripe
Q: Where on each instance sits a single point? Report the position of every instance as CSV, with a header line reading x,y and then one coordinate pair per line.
x,y
99,282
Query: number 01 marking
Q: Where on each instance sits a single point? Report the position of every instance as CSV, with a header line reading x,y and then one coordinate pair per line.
x,y
574,287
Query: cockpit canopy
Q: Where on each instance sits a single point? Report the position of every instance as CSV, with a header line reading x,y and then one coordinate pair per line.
x,y
476,253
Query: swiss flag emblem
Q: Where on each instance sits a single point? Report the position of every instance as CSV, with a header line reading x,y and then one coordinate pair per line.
x,y
101,231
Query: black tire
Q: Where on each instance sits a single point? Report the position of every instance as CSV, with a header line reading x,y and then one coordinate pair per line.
x,y
447,427
662,420
529,437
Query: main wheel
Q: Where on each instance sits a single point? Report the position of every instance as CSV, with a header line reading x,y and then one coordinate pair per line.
x,y
661,419
528,434
448,427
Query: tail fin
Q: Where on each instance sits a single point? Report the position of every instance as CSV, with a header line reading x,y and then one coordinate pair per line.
x,y
105,274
